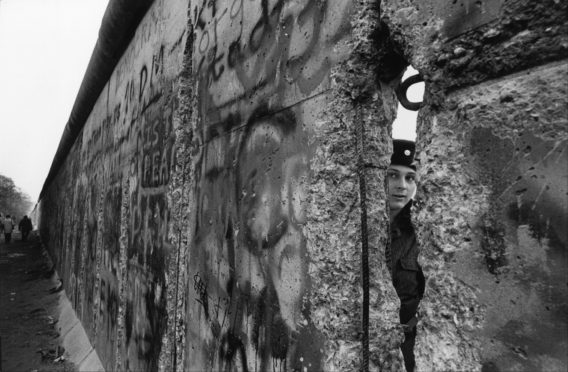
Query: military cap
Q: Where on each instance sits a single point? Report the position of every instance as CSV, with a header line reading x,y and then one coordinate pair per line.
x,y
403,153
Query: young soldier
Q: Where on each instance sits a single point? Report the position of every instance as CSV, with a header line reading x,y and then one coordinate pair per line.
x,y
402,257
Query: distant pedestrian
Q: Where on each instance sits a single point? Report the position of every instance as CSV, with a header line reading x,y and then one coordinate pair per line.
x,y
8,227
25,227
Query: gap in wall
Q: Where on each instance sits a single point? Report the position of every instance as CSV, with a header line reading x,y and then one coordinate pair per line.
x,y
404,126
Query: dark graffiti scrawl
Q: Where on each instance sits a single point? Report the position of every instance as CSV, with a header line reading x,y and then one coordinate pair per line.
x,y
259,49
250,253
145,305
257,62
106,308
107,209
126,149
144,117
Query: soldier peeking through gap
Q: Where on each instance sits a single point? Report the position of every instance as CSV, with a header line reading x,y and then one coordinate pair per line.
x,y
402,255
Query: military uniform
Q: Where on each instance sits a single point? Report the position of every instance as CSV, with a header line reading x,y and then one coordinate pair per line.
x,y
407,277
402,257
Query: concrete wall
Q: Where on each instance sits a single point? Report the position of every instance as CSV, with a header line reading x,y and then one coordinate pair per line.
x,y
493,209
105,217
208,215
273,253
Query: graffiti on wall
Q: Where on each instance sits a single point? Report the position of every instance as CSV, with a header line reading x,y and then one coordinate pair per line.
x,y
107,211
86,278
148,246
79,246
106,309
135,93
257,62
132,140
249,252
264,49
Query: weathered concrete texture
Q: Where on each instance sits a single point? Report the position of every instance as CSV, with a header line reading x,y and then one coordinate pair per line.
x,y
105,216
522,235
209,216
355,124
493,226
260,294
449,201
492,206
274,248
181,197
466,41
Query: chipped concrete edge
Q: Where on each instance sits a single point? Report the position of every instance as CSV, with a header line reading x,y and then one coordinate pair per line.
x,y
72,335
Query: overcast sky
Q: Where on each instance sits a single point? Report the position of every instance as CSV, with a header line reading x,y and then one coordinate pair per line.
x,y
45,46
404,126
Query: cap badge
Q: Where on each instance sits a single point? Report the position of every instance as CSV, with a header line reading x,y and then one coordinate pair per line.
x,y
407,152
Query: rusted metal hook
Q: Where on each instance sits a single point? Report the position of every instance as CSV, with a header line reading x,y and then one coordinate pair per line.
x,y
403,88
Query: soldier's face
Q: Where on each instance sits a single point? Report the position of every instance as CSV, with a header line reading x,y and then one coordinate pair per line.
x,y
401,186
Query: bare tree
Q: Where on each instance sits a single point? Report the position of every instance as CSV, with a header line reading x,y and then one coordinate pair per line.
x,y
13,200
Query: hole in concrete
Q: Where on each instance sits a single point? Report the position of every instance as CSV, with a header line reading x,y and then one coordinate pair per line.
x,y
402,255
404,126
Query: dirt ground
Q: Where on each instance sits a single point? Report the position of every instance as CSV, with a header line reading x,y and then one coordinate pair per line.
x,y
29,340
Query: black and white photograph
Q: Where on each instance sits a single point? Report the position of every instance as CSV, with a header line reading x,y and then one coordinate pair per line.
x,y
283,185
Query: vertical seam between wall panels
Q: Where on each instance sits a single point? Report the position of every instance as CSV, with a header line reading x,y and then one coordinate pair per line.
x,y
124,220
360,128
178,259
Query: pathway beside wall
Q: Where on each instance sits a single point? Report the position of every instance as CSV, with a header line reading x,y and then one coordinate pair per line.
x,y
30,309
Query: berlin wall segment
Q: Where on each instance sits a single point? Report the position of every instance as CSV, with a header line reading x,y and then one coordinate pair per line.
x,y
111,195
263,74
492,137
263,247
113,254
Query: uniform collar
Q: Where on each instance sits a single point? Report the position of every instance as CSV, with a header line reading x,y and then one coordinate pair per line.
x,y
402,221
